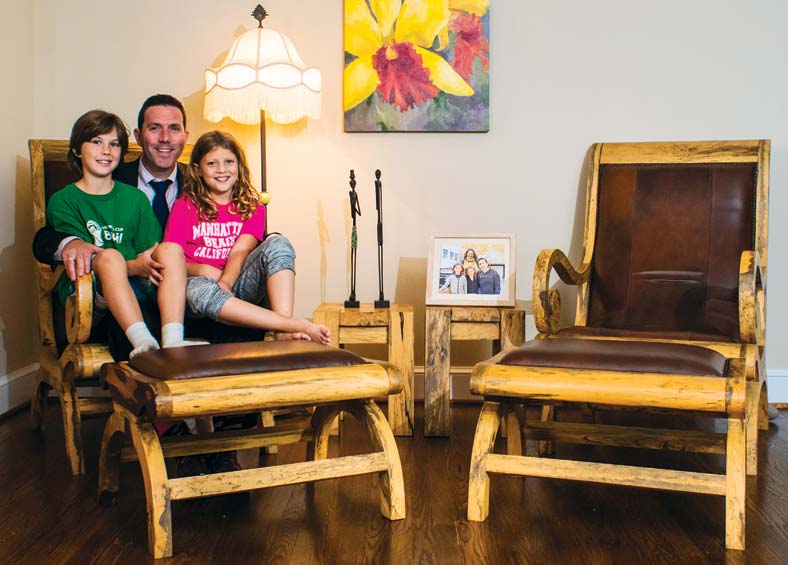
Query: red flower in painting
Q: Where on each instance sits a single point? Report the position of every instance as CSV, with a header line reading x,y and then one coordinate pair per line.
x,y
404,81
469,43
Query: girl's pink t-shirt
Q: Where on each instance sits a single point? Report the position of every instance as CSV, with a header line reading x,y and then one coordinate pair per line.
x,y
210,242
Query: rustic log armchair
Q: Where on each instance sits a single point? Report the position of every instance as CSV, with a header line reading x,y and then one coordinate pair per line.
x,y
69,359
670,315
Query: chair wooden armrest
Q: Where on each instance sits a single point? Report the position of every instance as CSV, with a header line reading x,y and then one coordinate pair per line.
x,y
547,301
752,299
79,310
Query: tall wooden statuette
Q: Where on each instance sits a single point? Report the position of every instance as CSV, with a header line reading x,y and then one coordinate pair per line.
x,y
355,210
381,302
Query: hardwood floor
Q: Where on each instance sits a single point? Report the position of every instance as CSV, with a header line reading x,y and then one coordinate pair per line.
x,y
48,516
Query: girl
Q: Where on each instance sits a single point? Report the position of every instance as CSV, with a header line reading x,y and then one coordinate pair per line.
x,y
456,282
472,279
118,218
219,221
470,259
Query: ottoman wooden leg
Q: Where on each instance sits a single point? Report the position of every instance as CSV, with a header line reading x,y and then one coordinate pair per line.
x,y
479,480
392,484
154,473
322,421
109,459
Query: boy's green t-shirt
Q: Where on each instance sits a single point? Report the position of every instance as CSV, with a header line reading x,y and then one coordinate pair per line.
x,y
122,219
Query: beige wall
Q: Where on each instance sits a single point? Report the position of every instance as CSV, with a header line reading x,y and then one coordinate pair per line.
x,y
17,344
564,75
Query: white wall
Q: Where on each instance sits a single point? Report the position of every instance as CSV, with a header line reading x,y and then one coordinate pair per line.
x,y
563,75
17,331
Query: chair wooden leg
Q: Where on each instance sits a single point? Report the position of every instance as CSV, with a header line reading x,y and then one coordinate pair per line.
x,y
514,433
38,400
479,480
267,420
322,422
751,424
763,408
72,425
392,483
735,492
109,460
154,473
545,448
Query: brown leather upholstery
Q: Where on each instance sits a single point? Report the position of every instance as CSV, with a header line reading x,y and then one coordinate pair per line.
x,y
668,245
611,332
628,356
57,174
198,361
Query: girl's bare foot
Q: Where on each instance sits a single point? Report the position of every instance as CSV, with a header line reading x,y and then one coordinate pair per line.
x,y
290,336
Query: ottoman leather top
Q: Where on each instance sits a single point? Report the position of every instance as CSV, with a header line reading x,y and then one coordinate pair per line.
x,y
199,361
625,356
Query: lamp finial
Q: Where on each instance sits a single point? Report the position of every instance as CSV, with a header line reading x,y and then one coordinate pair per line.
x,y
259,14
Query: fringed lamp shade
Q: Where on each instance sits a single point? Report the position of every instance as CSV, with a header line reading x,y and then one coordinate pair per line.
x,y
262,71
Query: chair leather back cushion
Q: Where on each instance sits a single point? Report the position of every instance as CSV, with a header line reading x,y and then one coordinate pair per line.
x,y
57,174
668,244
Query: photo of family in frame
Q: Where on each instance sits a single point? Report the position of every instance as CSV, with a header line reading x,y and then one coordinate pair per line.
x,y
471,270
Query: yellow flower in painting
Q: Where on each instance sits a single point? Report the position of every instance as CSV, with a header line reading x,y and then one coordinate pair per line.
x,y
391,40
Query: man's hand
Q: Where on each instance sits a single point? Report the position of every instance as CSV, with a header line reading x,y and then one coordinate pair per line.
x,y
78,258
148,267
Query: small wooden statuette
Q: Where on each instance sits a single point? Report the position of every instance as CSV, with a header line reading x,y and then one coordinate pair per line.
x,y
355,210
381,302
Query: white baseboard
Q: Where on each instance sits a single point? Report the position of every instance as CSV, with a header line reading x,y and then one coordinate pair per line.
x,y
777,380
15,388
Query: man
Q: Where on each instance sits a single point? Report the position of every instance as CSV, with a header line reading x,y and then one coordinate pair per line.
x,y
489,279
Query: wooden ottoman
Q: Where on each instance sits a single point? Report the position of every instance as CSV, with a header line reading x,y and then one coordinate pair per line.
x,y
234,378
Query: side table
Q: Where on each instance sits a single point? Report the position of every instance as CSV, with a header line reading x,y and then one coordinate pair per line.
x,y
392,326
505,326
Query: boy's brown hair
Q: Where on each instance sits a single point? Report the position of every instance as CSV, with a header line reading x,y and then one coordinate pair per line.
x,y
89,125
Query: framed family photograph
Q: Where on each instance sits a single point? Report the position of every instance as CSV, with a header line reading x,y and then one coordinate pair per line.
x,y
471,270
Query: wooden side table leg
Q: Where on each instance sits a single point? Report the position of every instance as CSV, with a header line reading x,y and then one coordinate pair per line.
x,y
401,406
437,363
329,316
512,328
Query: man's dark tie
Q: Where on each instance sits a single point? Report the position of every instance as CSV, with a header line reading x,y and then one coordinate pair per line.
x,y
160,209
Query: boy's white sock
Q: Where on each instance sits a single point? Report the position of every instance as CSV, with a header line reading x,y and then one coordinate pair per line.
x,y
172,336
141,339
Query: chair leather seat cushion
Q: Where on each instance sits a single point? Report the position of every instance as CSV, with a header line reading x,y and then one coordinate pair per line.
x,y
625,356
643,334
200,361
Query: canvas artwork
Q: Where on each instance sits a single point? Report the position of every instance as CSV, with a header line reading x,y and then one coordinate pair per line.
x,y
471,270
417,65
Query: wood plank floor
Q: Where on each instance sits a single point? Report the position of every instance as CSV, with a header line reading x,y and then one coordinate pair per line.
x,y
48,516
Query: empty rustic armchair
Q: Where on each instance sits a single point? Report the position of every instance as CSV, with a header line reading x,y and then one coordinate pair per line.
x,y
670,315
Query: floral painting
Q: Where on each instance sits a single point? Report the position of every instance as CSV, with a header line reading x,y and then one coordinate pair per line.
x,y
417,65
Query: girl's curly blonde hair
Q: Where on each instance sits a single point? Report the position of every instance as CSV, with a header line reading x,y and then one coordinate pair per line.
x,y
244,195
